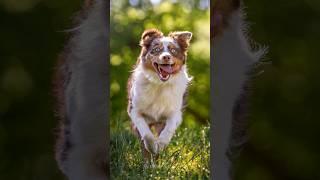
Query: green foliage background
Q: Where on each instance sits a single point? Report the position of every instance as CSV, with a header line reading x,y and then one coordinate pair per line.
x,y
127,24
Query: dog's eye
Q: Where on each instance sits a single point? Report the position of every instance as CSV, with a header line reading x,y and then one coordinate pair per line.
x,y
173,51
156,50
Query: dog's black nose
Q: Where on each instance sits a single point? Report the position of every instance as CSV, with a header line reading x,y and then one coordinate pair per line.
x,y
166,57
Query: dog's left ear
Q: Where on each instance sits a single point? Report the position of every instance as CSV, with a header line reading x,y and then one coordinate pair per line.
x,y
182,37
148,36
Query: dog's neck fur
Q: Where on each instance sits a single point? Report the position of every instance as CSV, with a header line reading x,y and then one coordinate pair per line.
x,y
233,59
155,97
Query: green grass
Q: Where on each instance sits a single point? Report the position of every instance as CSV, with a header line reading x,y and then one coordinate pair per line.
x,y
186,157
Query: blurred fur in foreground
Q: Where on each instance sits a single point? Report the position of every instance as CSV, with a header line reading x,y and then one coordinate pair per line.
x,y
234,60
81,88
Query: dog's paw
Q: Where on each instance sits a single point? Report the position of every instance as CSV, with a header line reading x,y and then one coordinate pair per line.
x,y
149,165
162,143
150,144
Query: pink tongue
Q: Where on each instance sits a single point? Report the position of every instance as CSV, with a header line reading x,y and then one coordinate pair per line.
x,y
167,69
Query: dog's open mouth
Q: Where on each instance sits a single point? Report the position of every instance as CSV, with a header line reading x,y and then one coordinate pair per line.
x,y
164,70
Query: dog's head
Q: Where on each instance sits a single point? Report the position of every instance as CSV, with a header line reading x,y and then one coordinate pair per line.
x,y
164,55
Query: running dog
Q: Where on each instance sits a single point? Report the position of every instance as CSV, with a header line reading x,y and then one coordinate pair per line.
x,y
157,87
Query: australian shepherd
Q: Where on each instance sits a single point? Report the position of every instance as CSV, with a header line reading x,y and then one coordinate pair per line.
x,y
157,87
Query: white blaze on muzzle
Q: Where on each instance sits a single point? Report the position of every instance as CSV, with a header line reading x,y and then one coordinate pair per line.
x,y
164,64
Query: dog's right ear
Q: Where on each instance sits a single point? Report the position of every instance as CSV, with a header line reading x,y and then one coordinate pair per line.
x,y
148,36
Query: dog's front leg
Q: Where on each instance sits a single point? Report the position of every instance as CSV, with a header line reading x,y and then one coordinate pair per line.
x,y
171,125
144,131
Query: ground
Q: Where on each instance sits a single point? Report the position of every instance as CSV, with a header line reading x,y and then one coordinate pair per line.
x,y
187,155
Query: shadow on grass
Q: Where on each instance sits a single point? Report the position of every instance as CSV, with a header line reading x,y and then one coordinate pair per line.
x,y
186,157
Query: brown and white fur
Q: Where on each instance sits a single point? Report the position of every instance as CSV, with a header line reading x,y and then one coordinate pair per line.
x,y
233,60
157,87
81,89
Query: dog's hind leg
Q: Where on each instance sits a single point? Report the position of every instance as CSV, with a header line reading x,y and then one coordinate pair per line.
x,y
158,127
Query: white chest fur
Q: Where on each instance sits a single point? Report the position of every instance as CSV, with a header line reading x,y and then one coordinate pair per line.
x,y
158,99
